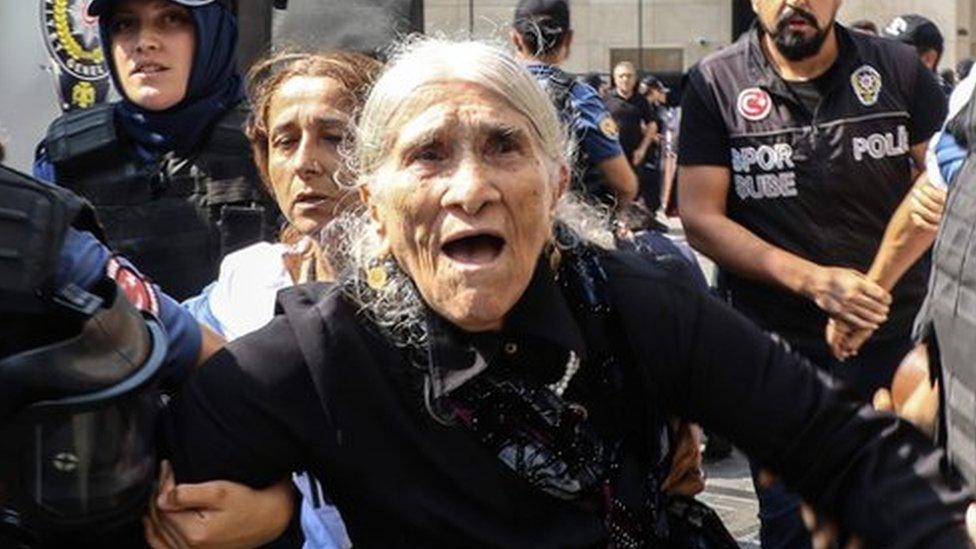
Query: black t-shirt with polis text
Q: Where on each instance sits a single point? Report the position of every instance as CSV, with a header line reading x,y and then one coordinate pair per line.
x,y
818,178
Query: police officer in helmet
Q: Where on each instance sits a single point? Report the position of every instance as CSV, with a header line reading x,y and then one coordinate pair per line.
x,y
168,167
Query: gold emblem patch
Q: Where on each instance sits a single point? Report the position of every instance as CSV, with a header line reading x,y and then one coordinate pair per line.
x,y
609,127
71,37
83,94
866,82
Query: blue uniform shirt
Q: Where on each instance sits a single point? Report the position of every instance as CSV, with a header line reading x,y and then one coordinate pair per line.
x,y
85,260
594,128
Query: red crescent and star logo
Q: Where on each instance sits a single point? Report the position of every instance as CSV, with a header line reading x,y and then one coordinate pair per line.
x,y
135,286
754,104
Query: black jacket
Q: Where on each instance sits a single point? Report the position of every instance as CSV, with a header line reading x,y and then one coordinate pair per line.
x,y
356,419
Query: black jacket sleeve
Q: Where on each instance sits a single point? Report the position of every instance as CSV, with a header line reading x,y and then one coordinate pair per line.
x,y
240,417
877,475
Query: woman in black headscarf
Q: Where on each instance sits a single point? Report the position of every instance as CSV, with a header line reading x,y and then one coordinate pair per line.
x,y
168,167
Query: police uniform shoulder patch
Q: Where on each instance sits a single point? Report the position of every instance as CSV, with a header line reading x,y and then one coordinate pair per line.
x,y
609,127
134,285
866,82
754,104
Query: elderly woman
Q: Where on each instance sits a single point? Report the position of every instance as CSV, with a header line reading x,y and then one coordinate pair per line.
x,y
483,372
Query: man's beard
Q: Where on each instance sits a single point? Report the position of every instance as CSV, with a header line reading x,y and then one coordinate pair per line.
x,y
795,46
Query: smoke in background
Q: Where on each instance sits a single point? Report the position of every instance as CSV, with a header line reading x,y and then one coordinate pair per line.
x,y
367,26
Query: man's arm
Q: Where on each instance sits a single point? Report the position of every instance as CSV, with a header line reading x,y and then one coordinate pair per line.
x,y
840,292
650,130
910,232
621,178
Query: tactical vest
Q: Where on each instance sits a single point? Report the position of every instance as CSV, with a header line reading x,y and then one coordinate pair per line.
x,y
821,185
175,218
587,179
33,220
951,308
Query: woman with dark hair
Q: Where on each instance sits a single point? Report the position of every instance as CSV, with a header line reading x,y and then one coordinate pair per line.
x,y
303,105
168,167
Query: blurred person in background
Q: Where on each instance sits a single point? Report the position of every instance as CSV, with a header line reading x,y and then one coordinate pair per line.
x,y
866,26
963,68
922,34
595,80
637,125
542,37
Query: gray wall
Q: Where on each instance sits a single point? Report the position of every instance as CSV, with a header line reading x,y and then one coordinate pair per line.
x,y
28,96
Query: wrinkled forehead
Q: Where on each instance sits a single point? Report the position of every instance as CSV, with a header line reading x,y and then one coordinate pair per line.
x,y
452,104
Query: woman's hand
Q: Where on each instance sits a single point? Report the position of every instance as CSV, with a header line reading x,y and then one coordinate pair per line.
x,y
928,204
216,514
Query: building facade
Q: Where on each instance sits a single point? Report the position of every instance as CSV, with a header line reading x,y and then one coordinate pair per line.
x,y
669,36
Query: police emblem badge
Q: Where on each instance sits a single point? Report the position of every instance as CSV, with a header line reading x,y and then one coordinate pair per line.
x,y
609,127
866,82
72,41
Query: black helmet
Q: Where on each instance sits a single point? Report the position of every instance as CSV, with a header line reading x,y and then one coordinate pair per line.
x,y
78,454
78,396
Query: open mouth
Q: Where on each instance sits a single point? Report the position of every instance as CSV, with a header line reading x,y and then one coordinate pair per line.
x,y
474,249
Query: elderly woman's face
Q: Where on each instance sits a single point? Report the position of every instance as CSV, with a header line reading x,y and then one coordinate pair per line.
x,y
307,117
465,201
152,48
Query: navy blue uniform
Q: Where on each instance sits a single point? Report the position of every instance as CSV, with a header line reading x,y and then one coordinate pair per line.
x,y
595,130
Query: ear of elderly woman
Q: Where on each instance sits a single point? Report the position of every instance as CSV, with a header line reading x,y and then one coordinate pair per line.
x,y
417,386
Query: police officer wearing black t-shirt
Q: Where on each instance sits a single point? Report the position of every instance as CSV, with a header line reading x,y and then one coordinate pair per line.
x,y
634,119
797,151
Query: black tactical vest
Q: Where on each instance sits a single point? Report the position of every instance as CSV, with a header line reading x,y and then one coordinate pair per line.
x,y
822,185
176,218
33,220
951,309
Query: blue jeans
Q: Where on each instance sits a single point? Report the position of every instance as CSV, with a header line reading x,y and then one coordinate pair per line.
x,y
779,509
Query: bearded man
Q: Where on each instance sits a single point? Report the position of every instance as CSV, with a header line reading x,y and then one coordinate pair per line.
x,y
800,143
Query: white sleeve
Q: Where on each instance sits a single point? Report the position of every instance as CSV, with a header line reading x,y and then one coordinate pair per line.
x,y
243,297
932,164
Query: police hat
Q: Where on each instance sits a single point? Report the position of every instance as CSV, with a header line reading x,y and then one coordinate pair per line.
x,y
555,11
99,7
915,30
